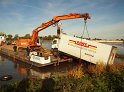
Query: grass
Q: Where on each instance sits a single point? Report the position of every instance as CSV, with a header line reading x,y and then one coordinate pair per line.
x,y
76,72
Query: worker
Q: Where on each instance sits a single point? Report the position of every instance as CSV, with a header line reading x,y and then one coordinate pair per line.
x,y
28,50
15,48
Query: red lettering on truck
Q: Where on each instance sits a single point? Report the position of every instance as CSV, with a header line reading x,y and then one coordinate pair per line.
x,y
83,44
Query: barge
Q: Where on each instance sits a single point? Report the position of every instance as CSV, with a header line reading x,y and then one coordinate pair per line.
x,y
21,56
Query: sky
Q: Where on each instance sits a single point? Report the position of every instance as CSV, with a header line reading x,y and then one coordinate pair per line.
x,y
23,16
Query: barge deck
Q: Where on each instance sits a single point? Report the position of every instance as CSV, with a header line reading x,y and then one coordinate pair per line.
x,y
21,56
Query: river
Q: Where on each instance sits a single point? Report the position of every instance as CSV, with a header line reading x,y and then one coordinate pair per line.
x,y
120,47
20,70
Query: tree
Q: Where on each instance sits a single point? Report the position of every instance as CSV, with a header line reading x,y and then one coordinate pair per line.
x,y
122,39
49,37
117,39
9,37
16,37
97,39
54,36
27,36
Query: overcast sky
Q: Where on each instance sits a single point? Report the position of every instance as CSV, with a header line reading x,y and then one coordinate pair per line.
x,y
23,16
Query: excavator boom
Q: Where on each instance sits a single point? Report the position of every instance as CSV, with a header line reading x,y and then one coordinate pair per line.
x,y
55,20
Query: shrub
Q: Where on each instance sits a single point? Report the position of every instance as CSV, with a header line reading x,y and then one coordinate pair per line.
x,y
97,69
76,72
115,80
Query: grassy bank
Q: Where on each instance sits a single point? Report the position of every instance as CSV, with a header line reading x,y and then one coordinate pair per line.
x,y
93,79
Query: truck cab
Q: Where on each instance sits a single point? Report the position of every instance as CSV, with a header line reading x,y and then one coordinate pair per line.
x,y
55,43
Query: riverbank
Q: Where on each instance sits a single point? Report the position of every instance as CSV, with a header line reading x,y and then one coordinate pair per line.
x,y
94,79
109,41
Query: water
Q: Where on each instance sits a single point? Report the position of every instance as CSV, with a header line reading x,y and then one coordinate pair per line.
x,y
47,44
120,47
120,50
20,70
9,67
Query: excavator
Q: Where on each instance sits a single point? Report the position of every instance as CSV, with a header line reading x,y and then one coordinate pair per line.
x,y
32,43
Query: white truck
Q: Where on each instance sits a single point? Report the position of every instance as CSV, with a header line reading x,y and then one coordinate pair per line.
x,y
87,50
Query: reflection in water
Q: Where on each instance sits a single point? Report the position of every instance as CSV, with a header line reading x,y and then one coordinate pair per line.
x,y
31,72
21,70
39,75
44,72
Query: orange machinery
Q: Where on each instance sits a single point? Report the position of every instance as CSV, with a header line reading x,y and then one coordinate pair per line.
x,y
24,43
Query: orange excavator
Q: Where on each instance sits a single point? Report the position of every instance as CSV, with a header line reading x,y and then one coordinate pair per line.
x,y
32,43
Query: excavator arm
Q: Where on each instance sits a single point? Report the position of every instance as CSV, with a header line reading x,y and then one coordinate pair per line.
x,y
55,20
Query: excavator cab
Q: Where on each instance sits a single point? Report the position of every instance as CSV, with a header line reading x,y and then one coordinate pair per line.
x,y
36,45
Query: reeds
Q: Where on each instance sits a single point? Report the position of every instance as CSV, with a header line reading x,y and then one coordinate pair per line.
x,y
76,72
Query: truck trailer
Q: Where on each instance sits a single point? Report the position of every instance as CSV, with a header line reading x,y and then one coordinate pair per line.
x,y
87,50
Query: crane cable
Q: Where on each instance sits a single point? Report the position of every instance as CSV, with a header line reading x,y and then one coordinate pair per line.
x,y
85,28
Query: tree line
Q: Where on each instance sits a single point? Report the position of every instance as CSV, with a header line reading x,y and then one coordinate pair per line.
x,y
10,38
49,37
